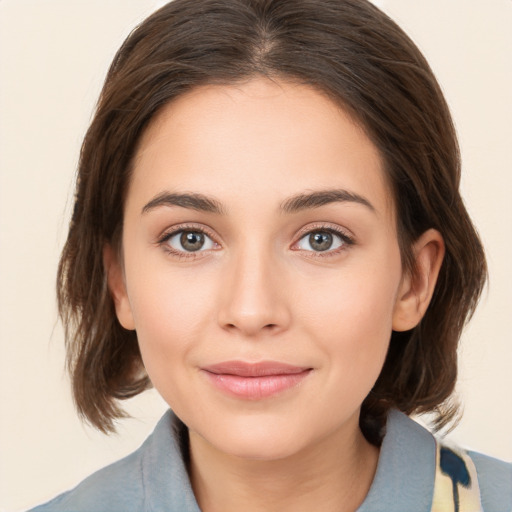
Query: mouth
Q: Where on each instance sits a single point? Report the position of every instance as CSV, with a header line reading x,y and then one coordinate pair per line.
x,y
254,381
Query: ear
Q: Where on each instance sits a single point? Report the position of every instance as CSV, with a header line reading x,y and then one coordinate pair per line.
x,y
117,286
417,288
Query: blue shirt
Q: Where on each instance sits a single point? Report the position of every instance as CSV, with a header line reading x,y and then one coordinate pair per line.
x,y
154,477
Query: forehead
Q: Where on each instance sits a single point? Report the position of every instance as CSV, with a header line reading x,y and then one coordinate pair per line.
x,y
236,140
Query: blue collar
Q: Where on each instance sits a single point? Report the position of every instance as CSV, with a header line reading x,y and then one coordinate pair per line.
x,y
403,482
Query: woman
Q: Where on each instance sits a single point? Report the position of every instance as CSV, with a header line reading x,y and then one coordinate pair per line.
x,y
268,229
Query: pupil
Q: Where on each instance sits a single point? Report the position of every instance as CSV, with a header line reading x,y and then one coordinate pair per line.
x,y
320,241
192,241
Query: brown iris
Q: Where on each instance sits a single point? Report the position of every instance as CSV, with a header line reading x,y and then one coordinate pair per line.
x,y
192,240
320,241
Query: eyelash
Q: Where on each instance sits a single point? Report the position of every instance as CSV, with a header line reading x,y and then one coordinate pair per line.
x,y
162,241
346,240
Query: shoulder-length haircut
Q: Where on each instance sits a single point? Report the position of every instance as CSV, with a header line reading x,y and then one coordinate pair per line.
x,y
348,50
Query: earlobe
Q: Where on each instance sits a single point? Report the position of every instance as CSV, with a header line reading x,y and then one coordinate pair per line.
x,y
117,287
417,288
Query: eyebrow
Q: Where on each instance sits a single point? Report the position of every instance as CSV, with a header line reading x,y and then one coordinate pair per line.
x,y
294,204
192,201
323,197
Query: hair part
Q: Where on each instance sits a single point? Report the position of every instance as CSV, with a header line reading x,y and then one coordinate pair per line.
x,y
347,49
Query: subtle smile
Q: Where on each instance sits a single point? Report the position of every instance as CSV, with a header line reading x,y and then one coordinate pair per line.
x,y
254,381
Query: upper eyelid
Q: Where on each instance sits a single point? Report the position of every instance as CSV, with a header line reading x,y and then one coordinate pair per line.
x,y
324,226
173,230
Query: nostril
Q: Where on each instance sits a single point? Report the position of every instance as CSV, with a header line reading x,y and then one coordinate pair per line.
x,y
267,327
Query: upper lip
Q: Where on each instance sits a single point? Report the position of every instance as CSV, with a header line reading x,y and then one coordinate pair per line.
x,y
260,369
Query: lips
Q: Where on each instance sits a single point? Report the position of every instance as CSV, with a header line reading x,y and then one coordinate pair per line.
x,y
254,381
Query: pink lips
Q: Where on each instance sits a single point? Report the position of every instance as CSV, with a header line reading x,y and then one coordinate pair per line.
x,y
254,381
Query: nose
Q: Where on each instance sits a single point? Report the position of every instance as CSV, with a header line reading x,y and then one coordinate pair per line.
x,y
253,297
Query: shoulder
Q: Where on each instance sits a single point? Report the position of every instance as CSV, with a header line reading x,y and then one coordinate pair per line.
x,y
495,481
417,471
117,487
152,478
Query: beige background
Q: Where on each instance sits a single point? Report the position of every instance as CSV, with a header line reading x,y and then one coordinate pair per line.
x,y
53,57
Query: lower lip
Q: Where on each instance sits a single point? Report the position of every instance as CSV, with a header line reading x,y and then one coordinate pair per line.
x,y
255,388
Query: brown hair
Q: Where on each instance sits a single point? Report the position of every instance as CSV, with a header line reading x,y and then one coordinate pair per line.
x,y
347,49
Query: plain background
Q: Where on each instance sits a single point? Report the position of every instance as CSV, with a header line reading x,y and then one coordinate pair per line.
x,y
53,58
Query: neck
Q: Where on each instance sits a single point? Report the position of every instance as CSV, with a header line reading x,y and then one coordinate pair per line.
x,y
335,475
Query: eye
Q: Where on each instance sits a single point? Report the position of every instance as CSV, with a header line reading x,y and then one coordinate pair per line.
x,y
189,241
323,240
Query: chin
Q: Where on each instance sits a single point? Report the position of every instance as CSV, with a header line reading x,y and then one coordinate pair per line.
x,y
261,449
257,440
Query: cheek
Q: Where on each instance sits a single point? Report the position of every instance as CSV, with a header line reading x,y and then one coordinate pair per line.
x,y
354,311
170,309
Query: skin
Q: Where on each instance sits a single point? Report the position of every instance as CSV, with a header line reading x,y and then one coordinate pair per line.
x,y
259,291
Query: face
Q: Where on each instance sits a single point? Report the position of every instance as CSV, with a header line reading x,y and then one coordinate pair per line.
x,y
261,268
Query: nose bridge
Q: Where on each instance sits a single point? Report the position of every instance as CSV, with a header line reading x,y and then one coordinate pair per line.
x,y
252,301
